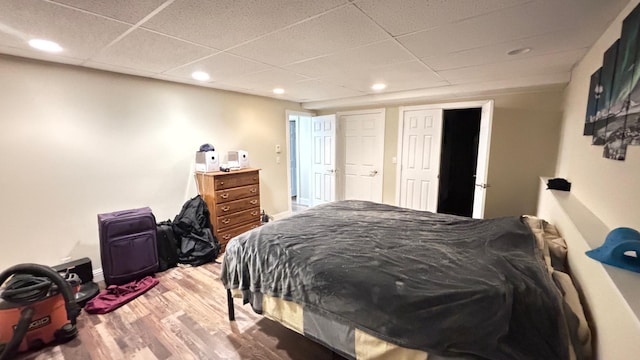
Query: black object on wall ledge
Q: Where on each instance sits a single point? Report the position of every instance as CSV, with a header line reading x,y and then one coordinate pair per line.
x,y
558,184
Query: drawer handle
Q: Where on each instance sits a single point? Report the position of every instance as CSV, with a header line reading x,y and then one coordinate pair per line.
x,y
227,237
225,195
254,226
253,202
226,208
254,213
255,178
225,221
221,182
253,190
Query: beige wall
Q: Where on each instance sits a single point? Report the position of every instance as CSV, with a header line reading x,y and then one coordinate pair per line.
x,y
608,188
524,145
77,142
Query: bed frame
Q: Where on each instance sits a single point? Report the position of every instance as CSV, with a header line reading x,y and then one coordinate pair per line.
x,y
611,296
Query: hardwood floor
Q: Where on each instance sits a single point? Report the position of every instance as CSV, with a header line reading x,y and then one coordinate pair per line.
x,y
183,317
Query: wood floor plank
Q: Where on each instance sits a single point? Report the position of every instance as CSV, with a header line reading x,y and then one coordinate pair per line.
x,y
183,317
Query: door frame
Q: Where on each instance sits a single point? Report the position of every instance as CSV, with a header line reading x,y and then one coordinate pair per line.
x,y
340,148
287,151
486,120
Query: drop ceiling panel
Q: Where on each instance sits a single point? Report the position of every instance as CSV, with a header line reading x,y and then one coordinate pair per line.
x,y
225,23
118,69
124,10
335,31
403,76
266,80
221,67
80,34
370,56
531,19
314,89
142,49
540,45
405,16
551,63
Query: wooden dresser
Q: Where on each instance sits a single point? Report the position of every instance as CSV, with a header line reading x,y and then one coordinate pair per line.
x,y
233,199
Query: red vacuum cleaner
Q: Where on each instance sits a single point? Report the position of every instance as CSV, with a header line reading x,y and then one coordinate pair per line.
x,y
37,307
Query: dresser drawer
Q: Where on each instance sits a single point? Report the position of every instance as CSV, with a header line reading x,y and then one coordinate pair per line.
x,y
241,217
231,207
226,235
235,180
223,196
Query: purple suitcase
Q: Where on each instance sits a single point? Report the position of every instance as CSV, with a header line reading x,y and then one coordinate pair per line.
x,y
128,247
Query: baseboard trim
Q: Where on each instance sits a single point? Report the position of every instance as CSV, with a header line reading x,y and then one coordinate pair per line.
x,y
98,275
282,215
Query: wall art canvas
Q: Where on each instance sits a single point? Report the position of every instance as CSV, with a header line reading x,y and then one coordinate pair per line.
x,y
613,106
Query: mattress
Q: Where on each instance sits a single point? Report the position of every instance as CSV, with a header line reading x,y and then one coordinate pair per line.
x,y
354,272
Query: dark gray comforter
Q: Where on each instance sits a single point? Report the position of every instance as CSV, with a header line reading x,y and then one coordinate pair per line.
x,y
444,284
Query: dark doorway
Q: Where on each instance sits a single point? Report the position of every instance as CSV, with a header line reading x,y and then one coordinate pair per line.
x,y
458,160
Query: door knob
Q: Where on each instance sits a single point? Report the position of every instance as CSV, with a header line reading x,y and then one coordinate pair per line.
x,y
331,171
483,185
373,173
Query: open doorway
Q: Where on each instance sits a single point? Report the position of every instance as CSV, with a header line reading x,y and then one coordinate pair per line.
x,y
458,161
299,159
420,158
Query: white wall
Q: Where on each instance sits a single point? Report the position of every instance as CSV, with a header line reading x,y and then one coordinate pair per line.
x,y
77,142
608,187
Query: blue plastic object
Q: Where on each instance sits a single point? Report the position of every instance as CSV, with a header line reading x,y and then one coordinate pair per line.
x,y
618,242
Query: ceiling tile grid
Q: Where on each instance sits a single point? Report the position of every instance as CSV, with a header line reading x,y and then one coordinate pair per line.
x,y
400,17
124,10
315,50
225,23
335,31
153,52
221,67
370,56
80,34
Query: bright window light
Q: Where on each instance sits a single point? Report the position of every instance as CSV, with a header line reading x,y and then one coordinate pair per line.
x,y
200,75
278,91
379,86
45,45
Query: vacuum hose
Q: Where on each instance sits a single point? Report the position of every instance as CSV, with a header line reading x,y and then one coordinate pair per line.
x,y
32,291
18,334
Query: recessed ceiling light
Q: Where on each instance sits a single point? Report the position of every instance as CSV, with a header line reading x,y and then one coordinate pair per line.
x,y
519,51
200,75
379,86
278,91
45,45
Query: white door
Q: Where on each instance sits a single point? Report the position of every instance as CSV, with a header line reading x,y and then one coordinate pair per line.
x,y
421,139
323,167
483,160
361,154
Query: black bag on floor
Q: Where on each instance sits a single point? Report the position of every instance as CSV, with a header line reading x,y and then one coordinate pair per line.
x,y
192,228
167,246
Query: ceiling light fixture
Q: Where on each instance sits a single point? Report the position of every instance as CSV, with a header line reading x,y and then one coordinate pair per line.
x,y
45,45
200,75
379,86
519,51
278,91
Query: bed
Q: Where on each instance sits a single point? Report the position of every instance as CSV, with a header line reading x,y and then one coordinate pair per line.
x,y
374,281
